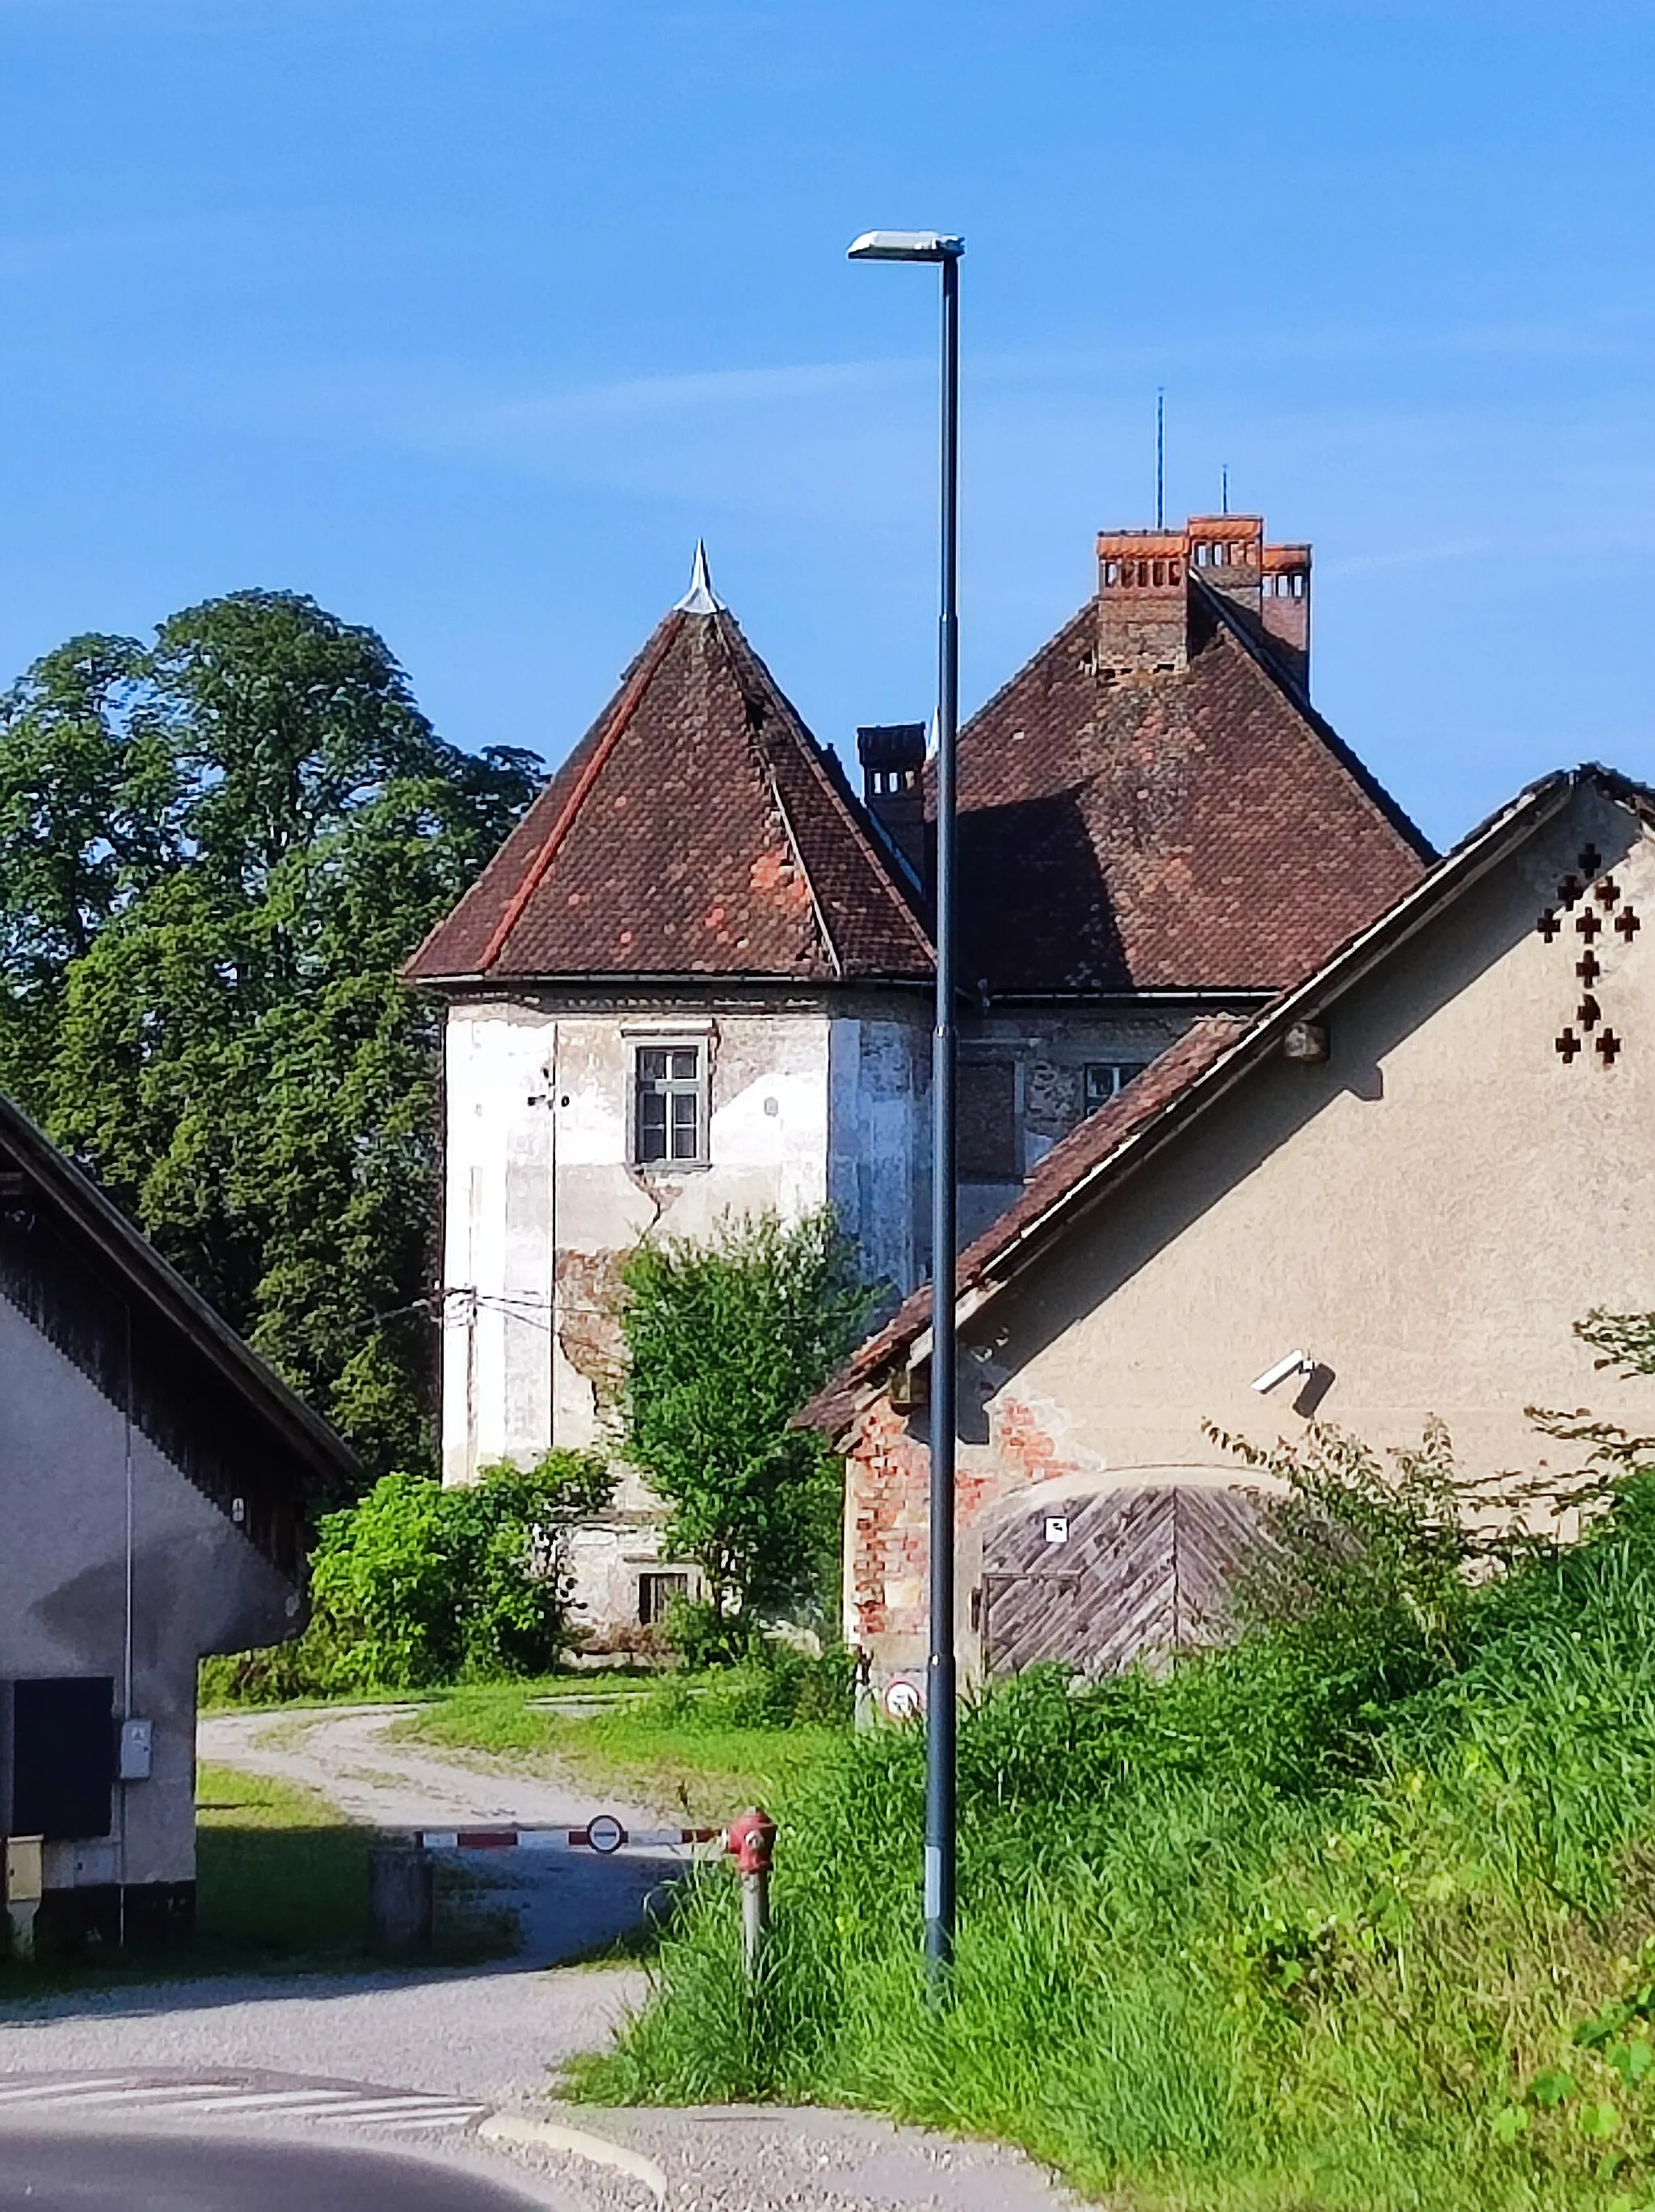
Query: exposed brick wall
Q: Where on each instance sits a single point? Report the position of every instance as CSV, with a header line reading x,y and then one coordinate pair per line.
x,y
887,1505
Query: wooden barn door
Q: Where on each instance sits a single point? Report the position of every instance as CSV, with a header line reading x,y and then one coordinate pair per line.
x,y
1102,1581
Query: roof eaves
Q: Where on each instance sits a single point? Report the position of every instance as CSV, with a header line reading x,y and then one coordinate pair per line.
x,y
131,1252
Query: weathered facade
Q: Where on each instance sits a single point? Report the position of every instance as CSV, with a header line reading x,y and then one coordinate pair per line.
x,y
695,980
1395,1190
153,1474
691,985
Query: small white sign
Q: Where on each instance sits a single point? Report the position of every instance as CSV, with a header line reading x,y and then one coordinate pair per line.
x,y
1056,1527
605,1833
903,1701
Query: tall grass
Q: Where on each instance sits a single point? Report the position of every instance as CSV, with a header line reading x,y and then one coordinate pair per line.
x,y
1352,1915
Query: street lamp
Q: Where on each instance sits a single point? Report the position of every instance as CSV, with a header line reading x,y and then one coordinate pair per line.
x,y
940,1684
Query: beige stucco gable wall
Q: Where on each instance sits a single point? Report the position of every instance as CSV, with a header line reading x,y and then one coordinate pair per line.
x,y
1427,1212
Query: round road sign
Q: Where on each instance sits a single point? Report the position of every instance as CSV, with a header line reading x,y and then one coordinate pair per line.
x,y
903,1700
605,1833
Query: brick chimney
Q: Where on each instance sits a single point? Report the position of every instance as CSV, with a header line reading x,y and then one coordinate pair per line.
x,y
1285,606
1143,602
893,757
1144,598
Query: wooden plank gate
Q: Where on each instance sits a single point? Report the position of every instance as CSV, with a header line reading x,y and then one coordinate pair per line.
x,y
1117,1576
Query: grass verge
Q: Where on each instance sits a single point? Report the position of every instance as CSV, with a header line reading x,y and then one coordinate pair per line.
x,y
281,1879
1356,1917
701,1750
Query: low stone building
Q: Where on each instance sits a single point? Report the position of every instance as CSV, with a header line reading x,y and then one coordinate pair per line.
x,y
1382,1201
154,1475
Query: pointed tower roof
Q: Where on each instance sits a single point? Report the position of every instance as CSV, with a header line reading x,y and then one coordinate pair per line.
x,y
698,829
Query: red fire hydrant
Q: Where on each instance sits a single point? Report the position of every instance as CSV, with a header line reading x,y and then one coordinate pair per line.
x,y
753,1839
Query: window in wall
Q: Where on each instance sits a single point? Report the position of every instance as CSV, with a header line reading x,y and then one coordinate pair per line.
x,y
1105,1078
669,1105
656,1593
985,1121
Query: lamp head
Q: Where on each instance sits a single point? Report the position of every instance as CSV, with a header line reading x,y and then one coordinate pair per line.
x,y
906,245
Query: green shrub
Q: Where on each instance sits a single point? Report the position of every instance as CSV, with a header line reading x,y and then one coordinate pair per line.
x,y
416,1585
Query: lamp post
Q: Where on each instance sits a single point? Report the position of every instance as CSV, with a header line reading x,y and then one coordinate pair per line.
x,y
940,1677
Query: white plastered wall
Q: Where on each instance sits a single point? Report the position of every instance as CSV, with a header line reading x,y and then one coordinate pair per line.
x,y
540,1190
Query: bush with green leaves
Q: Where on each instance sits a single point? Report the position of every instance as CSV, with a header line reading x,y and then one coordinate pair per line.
x,y
726,1341
419,1584
416,1585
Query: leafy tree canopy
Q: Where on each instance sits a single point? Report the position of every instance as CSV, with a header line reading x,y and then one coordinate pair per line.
x,y
215,849
726,1341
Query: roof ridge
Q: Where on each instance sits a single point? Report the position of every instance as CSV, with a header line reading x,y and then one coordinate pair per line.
x,y
1297,695
620,715
758,708
816,759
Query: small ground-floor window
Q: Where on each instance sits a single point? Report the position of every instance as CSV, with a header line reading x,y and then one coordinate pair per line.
x,y
656,1594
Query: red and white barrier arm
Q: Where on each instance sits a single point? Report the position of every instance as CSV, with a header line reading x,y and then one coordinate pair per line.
x,y
604,1834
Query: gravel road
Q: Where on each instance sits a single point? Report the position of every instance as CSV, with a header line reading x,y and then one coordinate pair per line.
x,y
349,1755
499,2034
490,2034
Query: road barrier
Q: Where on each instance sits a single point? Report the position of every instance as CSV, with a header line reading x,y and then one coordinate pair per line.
x,y
604,1833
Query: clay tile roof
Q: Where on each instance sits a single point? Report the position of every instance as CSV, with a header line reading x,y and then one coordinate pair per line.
x,y
698,829
1200,828
1085,1149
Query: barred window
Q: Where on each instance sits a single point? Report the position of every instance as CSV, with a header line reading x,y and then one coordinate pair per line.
x,y
669,1105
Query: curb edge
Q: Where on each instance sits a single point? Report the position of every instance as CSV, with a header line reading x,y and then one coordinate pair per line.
x,y
503,2127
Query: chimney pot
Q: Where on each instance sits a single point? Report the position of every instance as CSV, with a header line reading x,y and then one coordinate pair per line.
x,y
1145,592
892,759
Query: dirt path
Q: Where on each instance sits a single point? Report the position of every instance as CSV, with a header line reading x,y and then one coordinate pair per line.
x,y
346,1753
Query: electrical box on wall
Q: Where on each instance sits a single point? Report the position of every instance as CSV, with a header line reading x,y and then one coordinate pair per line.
x,y
137,1746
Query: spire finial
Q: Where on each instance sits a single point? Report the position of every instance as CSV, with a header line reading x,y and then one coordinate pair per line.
x,y
700,599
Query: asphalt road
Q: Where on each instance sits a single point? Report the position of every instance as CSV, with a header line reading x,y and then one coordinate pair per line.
x,y
49,2172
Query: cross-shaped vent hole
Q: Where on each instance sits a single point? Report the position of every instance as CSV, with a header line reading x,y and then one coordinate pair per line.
x,y
1610,1045
1627,924
1608,892
1589,860
1570,889
1588,924
1588,967
1588,1013
1549,924
1569,1044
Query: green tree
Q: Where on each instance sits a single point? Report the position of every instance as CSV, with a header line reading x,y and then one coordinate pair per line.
x,y
726,1341
215,853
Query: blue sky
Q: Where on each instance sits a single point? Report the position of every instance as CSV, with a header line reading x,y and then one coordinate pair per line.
x,y
468,319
